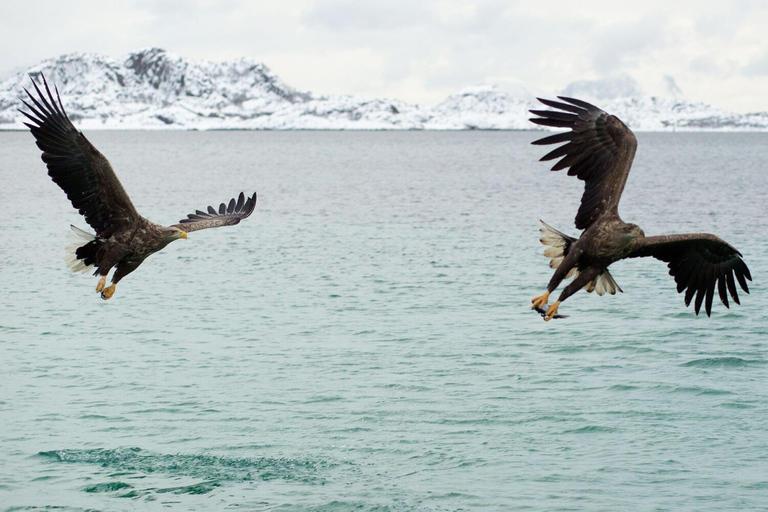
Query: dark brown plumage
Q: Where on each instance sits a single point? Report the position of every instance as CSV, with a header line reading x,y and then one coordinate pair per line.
x,y
123,237
599,150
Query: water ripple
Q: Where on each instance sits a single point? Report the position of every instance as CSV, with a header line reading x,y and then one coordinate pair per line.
x,y
206,467
721,362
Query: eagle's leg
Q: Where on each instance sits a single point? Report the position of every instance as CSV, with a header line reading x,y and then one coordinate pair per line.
x,y
101,283
540,301
108,292
551,311
562,270
123,269
585,276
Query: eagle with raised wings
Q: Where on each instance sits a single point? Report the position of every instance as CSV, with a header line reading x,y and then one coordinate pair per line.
x,y
599,149
123,238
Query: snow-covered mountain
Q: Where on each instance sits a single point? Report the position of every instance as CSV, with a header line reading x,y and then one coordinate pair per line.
x,y
617,86
152,89
621,95
483,108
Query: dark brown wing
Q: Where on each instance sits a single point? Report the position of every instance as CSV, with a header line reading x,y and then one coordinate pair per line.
x,y
698,262
599,150
227,215
77,167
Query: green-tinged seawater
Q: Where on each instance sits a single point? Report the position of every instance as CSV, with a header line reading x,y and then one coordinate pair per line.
x,y
363,342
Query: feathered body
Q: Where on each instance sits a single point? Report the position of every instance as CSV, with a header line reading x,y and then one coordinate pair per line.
x,y
599,150
125,250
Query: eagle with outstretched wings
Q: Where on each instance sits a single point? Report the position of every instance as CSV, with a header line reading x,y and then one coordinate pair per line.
x,y
123,239
598,148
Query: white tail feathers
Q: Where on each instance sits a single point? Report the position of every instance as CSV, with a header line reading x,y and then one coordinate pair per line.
x,y
603,284
77,239
558,243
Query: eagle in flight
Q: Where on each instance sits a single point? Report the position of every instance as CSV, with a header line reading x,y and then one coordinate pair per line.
x,y
598,149
123,238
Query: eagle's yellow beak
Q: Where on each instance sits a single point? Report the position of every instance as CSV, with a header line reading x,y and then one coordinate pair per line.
x,y
183,234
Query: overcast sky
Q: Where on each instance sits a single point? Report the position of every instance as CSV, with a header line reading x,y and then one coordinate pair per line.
x,y
421,51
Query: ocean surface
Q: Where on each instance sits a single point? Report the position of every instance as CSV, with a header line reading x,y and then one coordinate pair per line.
x,y
364,341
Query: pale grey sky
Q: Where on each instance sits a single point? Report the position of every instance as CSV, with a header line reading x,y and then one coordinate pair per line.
x,y
422,51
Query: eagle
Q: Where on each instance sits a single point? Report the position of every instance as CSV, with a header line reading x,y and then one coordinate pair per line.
x,y
599,149
123,239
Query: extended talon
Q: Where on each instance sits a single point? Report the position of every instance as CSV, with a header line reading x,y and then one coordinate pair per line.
x,y
551,311
540,301
108,292
101,283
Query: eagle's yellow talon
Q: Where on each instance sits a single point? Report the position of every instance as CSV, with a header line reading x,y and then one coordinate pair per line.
x,y
101,283
108,292
552,311
540,301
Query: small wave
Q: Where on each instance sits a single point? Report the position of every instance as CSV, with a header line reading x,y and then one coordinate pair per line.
x,y
320,399
350,506
36,508
737,405
623,387
198,488
757,486
591,429
719,362
209,468
107,487
697,390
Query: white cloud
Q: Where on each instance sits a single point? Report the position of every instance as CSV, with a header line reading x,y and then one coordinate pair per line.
x,y
360,16
421,51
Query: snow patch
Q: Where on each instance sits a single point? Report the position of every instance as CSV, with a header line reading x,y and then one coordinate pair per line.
x,y
155,89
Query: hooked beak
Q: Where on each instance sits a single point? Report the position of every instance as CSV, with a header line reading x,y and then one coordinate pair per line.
x,y
183,234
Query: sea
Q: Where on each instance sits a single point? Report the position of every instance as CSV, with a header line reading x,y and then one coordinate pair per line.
x,y
364,341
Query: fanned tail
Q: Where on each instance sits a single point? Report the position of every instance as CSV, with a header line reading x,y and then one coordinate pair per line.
x,y
602,284
558,244
81,250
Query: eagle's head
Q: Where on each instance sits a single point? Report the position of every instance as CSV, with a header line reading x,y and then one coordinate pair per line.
x,y
633,231
172,234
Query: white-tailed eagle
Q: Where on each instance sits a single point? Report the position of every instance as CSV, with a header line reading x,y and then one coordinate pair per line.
x,y
598,149
123,238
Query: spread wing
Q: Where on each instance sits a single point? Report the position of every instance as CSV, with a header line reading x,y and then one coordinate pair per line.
x,y
698,262
599,150
76,165
227,215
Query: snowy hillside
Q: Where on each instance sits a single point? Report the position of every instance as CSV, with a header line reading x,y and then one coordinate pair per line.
x,y
620,95
154,89
483,108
